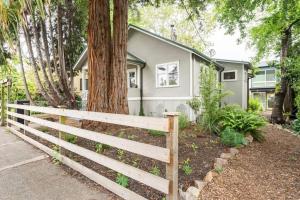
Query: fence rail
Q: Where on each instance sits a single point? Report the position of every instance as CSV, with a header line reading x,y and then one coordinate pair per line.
x,y
168,155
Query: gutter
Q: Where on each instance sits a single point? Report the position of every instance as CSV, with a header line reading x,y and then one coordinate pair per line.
x,y
141,113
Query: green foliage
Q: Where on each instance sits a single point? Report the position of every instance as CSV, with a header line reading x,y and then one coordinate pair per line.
x,y
155,170
236,118
219,169
100,148
195,104
122,180
211,95
55,156
232,138
156,133
296,126
70,138
194,147
254,105
186,167
120,154
183,121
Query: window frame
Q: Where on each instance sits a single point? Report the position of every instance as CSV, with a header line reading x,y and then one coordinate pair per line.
x,y
235,75
156,74
265,82
136,77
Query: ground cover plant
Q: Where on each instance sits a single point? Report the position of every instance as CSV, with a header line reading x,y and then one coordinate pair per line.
x,y
232,138
236,118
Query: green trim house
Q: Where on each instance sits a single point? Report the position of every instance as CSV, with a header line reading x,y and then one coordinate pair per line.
x,y
164,74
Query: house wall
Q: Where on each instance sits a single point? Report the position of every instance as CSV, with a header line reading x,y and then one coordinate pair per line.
x,y
77,83
238,87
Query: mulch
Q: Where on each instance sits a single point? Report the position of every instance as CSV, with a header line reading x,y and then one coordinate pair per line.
x,y
268,170
200,148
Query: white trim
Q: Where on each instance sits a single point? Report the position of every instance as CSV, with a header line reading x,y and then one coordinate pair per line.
x,y
243,88
235,78
167,86
233,61
191,74
159,98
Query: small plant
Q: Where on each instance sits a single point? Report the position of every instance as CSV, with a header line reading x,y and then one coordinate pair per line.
x,y
100,148
219,169
56,157
194,147
296,126
183,121
156,133
121,134
120,153
195,104
254,105
70,138
155,170
44,129
186,167
131,137
232,138
122,180
135,162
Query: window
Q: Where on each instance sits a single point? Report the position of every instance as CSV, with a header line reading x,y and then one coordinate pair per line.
x,y
264,78
167,74
132,78
229,76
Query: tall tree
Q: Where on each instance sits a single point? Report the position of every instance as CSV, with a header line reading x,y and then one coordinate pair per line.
x,y
270,25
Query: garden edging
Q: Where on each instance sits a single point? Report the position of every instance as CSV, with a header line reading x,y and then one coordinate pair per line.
x,y
193,192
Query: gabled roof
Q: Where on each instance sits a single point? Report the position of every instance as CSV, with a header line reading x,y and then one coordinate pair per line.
x,y
177,44
83,57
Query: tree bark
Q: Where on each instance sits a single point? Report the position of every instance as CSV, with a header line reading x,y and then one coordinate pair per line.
x,y
99,55
28,96
277,112
118,79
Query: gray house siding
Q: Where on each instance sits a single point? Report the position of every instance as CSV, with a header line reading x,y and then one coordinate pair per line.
x,y
238,87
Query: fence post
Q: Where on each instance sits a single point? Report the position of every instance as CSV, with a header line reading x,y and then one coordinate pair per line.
x,y
62,120
172,144
2,106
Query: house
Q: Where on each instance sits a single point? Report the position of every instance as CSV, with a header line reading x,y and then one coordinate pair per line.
x,y
164,74
262,86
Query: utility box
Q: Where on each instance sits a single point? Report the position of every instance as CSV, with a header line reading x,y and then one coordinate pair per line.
x,y
22,111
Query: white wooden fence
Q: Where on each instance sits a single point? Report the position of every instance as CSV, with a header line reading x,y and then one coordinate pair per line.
x,y
168,155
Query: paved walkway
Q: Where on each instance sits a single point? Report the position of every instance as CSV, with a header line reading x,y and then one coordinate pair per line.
x,y
28,174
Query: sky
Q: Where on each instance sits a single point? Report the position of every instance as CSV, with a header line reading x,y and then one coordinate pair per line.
x,y
226,46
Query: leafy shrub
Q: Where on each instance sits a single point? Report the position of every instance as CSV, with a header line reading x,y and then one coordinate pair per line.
x,y
211,96
241,121
254,105
183,121
186,167
232,138
70,138
155,170
296,126
195,104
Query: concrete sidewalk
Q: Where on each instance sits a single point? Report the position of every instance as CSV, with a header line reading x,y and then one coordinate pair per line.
x,y
28,174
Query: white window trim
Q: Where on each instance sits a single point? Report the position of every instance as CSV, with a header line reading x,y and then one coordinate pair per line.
x,y
136,77
167,86
235,72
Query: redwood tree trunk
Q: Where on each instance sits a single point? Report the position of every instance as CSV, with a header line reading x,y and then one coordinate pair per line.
x,y
118,79
99,55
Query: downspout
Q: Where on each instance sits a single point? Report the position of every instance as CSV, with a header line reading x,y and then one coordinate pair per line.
x,y
141,91
220,81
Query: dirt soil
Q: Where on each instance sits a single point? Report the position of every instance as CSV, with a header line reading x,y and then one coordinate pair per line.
x,y
269,170
200,148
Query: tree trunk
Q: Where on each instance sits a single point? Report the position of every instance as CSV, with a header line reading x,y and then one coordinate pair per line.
x,y
118,79
99,55
35,68
277,112
28,96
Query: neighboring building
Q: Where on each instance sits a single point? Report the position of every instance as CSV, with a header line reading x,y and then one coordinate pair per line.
x,y
164,74
262,86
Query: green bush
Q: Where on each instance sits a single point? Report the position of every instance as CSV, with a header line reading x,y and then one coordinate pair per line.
x,y
183,121
241,121
254,105
156,133
232,138
296,126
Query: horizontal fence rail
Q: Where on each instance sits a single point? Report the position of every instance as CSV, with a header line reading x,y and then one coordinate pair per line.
x,y
168,155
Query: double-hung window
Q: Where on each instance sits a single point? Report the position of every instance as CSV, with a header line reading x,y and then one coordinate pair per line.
x,y
167,74
132,78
